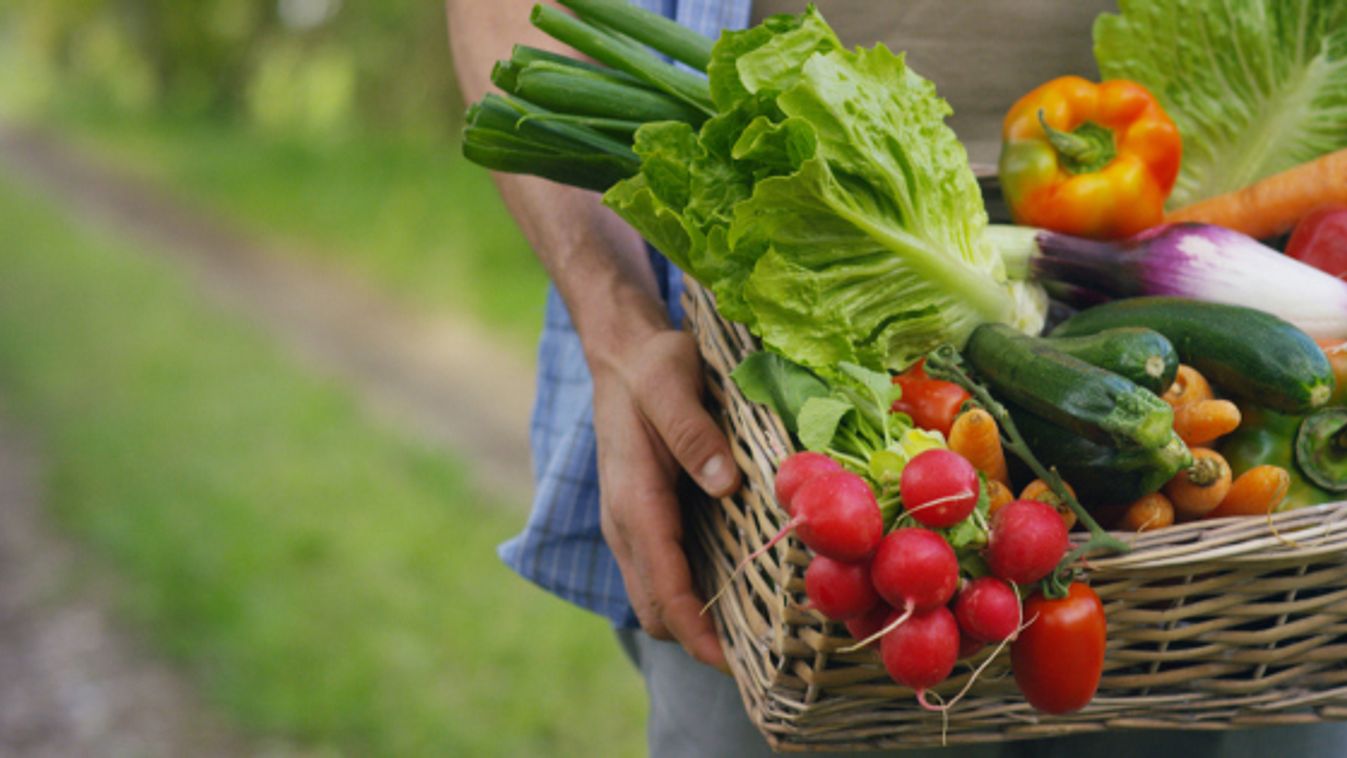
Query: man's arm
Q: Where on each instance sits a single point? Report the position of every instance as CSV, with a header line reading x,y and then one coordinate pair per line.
x,y
648,416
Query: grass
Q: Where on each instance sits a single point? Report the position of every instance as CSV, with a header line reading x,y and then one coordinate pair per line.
x,y
410,215
321,577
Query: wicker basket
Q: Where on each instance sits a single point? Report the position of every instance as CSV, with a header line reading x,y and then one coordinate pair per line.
x,y
1212,625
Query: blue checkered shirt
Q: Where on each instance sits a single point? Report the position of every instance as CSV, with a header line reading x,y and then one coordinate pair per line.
x,y
561,548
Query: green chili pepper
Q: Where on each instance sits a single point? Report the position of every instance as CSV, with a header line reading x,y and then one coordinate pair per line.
x,y
1321,448
1268,437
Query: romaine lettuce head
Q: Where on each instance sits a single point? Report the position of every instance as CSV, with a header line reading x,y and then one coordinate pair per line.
x,y
828,206
1255,86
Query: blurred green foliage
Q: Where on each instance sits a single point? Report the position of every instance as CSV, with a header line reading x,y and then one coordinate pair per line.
x,y
330,125
323,66
411,216
324,578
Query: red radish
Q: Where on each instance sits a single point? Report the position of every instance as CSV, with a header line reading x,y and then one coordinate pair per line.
x,y
939,487
921,653
863,627
915,568
836,515
1027,540
839,590
797,469
969,647
988,610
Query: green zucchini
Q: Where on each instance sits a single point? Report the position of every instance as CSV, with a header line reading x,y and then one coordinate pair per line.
x,y
1143,355
1101,475
1245,352
1071,393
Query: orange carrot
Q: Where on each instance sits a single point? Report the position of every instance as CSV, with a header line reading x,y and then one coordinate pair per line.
x,y
974,436
1189,386
1202,421
1152,511
1256,492
1040,491
1273,204
1199,489
1336,353
998,495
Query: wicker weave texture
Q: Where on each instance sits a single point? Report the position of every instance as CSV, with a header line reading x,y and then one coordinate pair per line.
x,y
1212,624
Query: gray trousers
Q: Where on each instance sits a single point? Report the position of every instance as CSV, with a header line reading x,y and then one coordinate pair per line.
x,y
696,712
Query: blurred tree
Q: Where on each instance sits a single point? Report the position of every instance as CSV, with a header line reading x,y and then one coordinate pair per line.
x,y
199,51
312,64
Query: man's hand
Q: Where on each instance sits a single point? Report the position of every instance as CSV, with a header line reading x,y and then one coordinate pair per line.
x,y
648,416
650,424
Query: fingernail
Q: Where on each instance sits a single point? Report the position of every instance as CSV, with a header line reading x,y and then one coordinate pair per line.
x,y
716,475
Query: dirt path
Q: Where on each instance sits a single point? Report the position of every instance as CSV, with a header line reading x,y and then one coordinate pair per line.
x,y
439,378
72,683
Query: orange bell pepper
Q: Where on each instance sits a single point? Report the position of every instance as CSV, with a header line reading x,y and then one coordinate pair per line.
x,y
1093,160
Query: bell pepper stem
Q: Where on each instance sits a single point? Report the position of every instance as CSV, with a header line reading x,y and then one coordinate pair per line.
x,y
1086,149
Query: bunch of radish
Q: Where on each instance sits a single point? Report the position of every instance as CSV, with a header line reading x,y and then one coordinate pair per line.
x,y
904,589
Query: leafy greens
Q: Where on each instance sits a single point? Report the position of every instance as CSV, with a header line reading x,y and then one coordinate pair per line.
x,y
826,204
1255,87
848,417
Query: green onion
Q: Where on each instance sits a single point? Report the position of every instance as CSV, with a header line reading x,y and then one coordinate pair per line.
x,y
507,114
600,75
624,56
505,74
506,134
662,34
611,125
585,170
573,121
587,94
523,55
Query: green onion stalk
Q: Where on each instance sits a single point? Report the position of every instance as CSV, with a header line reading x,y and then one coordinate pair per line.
x,y
573,121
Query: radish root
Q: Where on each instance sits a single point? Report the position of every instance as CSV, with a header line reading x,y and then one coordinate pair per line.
x,y
753,556
908,609
961,494
1287,541
943,708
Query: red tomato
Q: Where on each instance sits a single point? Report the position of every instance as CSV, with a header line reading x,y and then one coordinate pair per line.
x,y
1059,656
932,403
1320,239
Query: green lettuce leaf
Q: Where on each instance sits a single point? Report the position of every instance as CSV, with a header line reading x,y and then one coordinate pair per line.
x,y
1255,86
819,419
827,205
783,386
